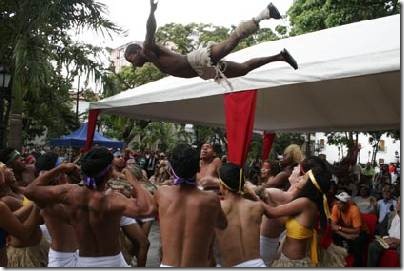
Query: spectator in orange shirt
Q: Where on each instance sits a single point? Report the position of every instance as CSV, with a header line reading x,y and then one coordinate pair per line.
x,y
347,226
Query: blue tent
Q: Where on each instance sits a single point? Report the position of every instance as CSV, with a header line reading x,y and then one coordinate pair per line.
x,y
78,139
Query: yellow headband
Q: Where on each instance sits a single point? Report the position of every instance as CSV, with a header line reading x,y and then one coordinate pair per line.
x,y
325,202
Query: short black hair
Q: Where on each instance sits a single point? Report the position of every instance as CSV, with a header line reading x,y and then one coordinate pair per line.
x,y
95,161
185,161
46,161
230,174
132,48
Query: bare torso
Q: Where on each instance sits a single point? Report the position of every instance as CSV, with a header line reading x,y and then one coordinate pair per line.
x,y
187,220
239,242
297,249
271,227
57,220
170,62
208,173
96,222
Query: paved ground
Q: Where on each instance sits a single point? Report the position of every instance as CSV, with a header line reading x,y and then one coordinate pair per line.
x,y
153,256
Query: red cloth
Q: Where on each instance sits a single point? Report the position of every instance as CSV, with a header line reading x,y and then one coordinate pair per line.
x,y
92,122
267,141
389,258
240,114
370,220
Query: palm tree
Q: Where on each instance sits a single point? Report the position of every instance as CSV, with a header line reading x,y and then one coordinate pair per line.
x,y
36,44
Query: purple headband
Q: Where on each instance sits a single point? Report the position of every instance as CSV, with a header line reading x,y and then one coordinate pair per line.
x,y
91,182
178,180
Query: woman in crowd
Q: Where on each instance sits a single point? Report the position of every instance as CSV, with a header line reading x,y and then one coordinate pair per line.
x,y
303,214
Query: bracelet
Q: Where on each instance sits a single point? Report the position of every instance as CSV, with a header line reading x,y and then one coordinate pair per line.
x,y
339,228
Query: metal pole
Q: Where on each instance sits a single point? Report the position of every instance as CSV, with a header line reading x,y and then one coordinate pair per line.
x,y
77,100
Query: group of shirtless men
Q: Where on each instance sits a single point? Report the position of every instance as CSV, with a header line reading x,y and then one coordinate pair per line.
x,y
198,228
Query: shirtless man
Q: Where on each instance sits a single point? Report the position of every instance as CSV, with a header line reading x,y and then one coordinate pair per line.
x,y
208,174
188,216
206,62
239,243
95,214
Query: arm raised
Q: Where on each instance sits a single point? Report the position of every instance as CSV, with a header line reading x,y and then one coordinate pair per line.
x,y
151,26
43,193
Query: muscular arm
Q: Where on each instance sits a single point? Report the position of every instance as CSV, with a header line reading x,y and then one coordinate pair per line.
x,y
43,194
142,203
289,209
278,196
151,26
277,180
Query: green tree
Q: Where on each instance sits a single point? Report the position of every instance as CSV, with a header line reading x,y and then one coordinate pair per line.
x,y
312,15
36,44
184,39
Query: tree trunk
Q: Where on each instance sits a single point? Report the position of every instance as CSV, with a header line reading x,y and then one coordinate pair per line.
x,y
15,132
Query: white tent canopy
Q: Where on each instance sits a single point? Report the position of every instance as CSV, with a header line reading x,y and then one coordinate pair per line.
x,y
348,79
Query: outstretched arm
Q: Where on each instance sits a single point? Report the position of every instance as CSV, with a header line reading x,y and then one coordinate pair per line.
x,y
151,26
292,208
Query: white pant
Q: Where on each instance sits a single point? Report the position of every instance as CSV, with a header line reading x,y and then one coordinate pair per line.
x,y
107,261
252,263
269,249
62,259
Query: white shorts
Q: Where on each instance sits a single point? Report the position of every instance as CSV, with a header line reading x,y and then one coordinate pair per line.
x,y
163,265
62,259
269,249
125,221
147,219
45,233
201,63
252,263
107,261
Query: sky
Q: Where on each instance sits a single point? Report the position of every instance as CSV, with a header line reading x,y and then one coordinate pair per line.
x,y
131,15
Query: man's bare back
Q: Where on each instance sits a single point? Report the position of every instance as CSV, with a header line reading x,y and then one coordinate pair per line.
x,y
239,242
94,213
188,218
57,221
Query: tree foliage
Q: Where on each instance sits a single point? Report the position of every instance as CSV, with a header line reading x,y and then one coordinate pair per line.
x,y
38,48
182,39
312,15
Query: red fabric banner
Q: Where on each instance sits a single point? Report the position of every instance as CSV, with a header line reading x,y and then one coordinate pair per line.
x,y
267,141
240,114
92,122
